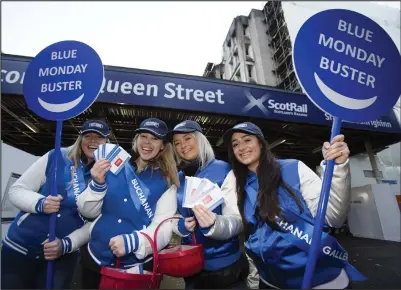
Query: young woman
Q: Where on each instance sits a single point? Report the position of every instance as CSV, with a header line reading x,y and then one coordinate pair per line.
x,y
25,248
137,199
217,230
278,200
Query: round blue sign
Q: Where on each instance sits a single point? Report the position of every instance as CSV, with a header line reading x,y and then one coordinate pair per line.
x,y
347,65
63,80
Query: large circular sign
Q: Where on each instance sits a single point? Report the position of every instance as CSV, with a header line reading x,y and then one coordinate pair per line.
x,y
347,65
63,80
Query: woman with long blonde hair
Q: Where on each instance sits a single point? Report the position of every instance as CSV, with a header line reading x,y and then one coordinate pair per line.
x,y
26,250
217,229
135,200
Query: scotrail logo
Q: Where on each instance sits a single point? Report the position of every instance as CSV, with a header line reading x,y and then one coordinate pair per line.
x,y
256,102
287,108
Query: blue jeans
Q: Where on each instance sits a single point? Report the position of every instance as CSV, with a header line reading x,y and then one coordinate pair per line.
x,y
19,271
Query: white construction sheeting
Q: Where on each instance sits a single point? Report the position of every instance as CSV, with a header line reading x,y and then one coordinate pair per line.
x,y
374,213
14,162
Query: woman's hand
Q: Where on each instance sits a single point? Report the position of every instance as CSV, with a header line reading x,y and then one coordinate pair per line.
x,y
52,250
337,150
100,169
52,204
205,217
190,224
117,246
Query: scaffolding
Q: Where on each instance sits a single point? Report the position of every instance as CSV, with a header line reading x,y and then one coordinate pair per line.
x,y
281,46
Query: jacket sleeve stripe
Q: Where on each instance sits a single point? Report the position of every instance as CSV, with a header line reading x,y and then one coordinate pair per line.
x,y
135,241
96,188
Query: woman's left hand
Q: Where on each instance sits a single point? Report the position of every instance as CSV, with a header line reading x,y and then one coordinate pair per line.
x,y
205,217
117,246
337,150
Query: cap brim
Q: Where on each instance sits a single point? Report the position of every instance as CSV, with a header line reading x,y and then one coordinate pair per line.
x,y
94,131
228,134
154,133
170,134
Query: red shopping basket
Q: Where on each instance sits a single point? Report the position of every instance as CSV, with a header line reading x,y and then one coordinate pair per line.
x,y
181,260
113,278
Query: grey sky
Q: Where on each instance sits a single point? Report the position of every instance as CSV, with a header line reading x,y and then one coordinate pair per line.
x,y
178,37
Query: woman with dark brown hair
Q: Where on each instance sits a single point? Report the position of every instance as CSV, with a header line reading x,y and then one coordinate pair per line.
x,y
278,200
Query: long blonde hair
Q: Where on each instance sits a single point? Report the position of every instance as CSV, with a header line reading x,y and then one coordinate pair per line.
x,y
74,152
164,160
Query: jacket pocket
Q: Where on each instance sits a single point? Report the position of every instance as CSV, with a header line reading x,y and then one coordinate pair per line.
x,y
22,218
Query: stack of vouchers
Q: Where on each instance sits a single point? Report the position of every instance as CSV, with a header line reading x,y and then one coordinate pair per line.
x,y
113,153
201,191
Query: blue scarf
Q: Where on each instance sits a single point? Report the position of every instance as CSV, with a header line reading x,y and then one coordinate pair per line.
x,y
144,201
299,233
77,184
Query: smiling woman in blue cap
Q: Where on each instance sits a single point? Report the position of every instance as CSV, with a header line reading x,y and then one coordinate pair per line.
x,y
225,265
25,248
278,200
135,200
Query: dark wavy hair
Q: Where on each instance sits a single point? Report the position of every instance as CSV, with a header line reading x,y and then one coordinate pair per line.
x,y
269,179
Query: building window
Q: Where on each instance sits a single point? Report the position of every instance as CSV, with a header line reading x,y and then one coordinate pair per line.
x,y
250,70
247,32
247,49
249,52
251,73
235,50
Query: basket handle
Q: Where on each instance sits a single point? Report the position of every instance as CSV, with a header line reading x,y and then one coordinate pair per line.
x,y
155,258
171,218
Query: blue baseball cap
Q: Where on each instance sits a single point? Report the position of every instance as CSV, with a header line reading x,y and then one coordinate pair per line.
x,y
154,126
187,126
95,126
246,127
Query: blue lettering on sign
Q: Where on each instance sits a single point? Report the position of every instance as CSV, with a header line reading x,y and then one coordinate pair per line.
x,y
63,80
348,65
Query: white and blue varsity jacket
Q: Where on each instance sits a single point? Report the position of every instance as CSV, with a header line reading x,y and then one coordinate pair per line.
x,y
126,204
31,226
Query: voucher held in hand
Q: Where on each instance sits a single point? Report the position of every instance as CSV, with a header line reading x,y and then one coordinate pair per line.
x,y
113,153
201,191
